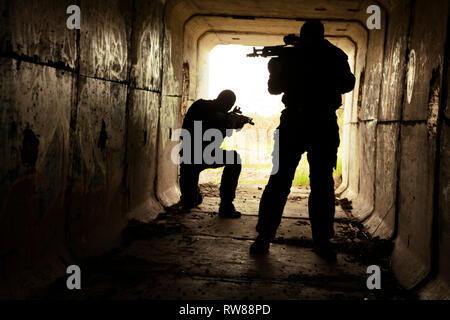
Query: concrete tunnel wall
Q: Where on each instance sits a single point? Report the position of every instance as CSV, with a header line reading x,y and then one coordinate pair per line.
x,y
84,125
401,128
86,118
414,256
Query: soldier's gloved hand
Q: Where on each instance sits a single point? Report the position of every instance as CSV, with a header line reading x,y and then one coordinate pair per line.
x,y
234,121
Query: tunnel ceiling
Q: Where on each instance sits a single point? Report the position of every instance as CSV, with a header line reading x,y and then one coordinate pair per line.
x,y
286,9
263,31
267,25
250,22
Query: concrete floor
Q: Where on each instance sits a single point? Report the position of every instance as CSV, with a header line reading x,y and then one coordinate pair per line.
x,y
199,255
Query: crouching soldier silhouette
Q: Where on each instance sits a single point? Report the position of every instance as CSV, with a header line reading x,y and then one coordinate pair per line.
x,y
312,74
208,120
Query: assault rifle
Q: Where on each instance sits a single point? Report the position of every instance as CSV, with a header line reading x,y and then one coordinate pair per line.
x,y
240,118
275,51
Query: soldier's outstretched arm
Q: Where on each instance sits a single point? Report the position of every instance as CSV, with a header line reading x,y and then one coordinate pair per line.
x,y
215,118
235,121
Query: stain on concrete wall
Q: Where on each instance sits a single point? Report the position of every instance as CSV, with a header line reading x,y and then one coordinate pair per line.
x,y
433,102
185,89
410,75
30,148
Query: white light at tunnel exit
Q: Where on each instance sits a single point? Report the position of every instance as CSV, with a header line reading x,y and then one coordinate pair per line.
x,y
230,68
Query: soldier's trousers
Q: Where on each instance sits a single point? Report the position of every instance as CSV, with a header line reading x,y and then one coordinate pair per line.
x,y
189,175
321,145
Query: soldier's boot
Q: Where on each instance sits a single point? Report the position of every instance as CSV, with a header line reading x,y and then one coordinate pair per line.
x,y
198,199
227,210
325,250
260,246
187,203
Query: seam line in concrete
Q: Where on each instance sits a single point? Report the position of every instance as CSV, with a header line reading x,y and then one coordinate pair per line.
x,y
145,89
123,82
413,122
34,60
389,121
366,120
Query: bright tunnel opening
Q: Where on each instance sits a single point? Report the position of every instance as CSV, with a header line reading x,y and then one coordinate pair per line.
x,y
230,68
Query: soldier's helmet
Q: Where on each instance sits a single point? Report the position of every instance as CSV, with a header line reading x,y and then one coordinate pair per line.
x,y
226,99
312,29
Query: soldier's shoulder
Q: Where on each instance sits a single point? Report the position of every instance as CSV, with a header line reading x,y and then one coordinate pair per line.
x,y
199,103
337,52
192,108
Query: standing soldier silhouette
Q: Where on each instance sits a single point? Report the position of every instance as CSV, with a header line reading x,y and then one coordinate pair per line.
x,y
313,74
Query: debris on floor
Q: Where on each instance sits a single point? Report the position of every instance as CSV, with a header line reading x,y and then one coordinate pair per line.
x,y
199,255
